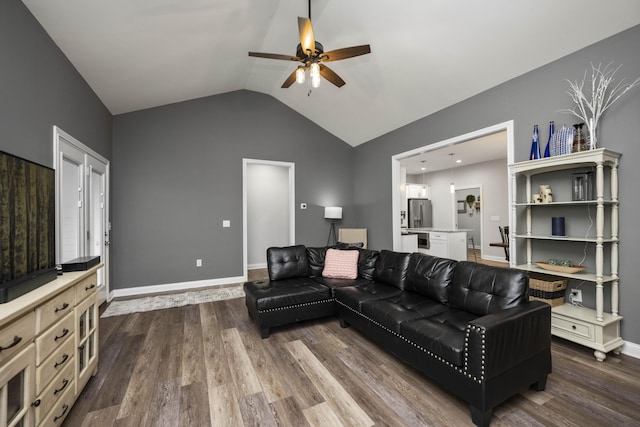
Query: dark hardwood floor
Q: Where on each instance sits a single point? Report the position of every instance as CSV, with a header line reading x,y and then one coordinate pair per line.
x,y
205,364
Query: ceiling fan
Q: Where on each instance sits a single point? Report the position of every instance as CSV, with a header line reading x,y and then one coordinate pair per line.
x,y
312,55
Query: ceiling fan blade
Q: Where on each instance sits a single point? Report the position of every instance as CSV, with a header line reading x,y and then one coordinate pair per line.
x,y
344,53
307,40
274,56
331,76
290,80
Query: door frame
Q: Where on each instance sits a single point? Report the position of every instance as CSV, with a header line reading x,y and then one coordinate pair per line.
x,y
507,126
292,204
59,134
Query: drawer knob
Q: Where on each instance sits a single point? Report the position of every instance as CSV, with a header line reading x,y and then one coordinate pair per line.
x,y
89,287
65,331
16,340
36,403
574,327
64,307
64,359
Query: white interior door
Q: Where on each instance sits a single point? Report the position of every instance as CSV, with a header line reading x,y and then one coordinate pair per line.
x,y
97,231
70,226
82,214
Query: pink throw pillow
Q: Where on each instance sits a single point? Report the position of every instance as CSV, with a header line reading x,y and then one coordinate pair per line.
x,y
340,264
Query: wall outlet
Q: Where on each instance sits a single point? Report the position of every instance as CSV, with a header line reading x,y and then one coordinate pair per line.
x,y
198,262
226,223
575,295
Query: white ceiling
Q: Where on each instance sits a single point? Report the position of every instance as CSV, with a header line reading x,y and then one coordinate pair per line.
x,y
466,153
426,54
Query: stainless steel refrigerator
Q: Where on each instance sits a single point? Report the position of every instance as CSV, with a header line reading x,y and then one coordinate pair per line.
x,y
420,215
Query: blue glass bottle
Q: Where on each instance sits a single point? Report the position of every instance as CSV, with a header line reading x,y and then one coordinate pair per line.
x,y
551,132
535,146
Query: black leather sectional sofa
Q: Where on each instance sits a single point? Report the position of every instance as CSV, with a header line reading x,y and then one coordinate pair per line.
x,y
467,326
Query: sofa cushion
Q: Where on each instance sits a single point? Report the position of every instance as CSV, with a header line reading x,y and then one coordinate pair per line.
x,y
438,336
391,268
340,264
287,262
430,276
353,296
340,283
367,263
316,260
393,311
482,289
265,294
345,245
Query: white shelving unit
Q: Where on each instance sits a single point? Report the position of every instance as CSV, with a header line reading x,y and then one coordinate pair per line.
x,y
593,328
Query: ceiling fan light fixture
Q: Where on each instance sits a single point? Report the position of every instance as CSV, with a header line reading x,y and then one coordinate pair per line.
x,y
315,81
300,75
314,70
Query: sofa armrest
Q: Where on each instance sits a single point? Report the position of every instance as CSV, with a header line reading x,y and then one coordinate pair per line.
x,y
499,341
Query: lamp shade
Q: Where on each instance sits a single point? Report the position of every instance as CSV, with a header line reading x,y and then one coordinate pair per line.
x,y
333,212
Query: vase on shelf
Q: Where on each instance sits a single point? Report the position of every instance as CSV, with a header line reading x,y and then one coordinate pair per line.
x,y
535,145
593,133
579,144
547,151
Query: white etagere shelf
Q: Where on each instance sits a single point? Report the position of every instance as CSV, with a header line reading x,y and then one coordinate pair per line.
x,y
593,328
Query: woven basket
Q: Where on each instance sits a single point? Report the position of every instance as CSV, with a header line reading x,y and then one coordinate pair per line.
x,y
547,290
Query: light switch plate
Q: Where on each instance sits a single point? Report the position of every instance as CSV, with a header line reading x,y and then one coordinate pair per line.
x,y
226,223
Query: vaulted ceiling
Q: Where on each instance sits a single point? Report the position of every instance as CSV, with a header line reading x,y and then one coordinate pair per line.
x,y
426,54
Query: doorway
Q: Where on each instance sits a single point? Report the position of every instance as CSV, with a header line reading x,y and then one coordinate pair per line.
x,y
506,127
268,209
82,214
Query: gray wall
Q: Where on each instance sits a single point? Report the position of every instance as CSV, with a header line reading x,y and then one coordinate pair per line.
x,y
177,173
39,88
533,98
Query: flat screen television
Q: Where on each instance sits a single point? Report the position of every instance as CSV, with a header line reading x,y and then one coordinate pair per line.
x,y
27,226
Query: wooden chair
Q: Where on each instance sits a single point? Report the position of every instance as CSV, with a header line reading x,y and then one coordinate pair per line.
x,y
504,235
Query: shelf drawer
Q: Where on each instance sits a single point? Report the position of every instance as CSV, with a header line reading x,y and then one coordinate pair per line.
x,y
86,287
54,392
54,309
573,327
59,360
54,337
15,335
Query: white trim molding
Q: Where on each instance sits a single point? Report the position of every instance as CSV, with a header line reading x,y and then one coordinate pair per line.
x,y
631,349
175,287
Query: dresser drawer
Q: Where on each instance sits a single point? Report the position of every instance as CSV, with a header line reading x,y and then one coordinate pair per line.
x,y
54,337
60,410
54,364
573,327
86,287
54,391
54,309
15,335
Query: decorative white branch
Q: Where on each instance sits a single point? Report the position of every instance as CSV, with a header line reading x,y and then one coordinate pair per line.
x,y
590,111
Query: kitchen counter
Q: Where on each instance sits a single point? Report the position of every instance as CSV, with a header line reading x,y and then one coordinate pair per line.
x,y
440,241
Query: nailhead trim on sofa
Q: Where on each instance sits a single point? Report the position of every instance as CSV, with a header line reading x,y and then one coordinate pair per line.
x,y
304,304
464,371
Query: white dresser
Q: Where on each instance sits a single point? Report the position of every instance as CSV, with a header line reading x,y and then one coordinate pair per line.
x,y
48,349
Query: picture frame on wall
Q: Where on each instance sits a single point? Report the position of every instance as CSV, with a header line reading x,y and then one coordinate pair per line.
x,y
462,206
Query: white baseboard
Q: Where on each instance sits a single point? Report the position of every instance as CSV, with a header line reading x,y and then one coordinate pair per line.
x,y
256,266
168,287
494,258
631,349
